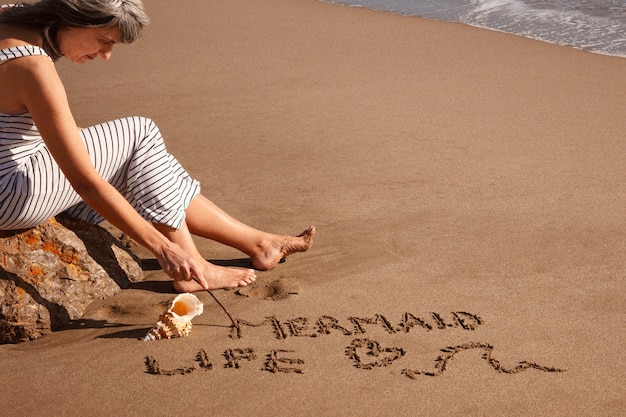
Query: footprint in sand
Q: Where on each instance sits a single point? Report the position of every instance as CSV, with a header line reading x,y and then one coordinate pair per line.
x,y
279,289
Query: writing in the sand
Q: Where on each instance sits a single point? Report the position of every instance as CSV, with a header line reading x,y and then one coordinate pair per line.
x,y
362,352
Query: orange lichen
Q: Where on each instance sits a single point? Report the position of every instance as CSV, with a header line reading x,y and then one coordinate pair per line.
x,y
69,256
31,239
20,293
36,272
50,247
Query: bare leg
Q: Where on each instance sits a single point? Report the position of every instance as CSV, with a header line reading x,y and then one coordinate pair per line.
x,y
207,220
216,276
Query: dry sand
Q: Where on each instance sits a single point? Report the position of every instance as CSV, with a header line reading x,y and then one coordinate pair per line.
x,y
469,192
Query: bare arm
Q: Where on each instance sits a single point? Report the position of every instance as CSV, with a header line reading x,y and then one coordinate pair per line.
x,y
44,96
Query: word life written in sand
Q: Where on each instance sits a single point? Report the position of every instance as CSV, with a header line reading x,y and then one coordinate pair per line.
x,y
362,352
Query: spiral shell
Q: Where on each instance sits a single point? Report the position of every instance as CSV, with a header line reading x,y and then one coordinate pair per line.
x,y
176,321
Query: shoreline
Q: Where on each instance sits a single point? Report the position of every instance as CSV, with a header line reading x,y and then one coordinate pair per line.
x,y
597,46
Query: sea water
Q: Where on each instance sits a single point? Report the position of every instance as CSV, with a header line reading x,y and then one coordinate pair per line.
x,y
597,26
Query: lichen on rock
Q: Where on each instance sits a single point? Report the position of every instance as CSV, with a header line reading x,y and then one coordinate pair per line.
x,y
51,273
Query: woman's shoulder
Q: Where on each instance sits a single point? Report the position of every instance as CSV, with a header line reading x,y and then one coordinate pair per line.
x,y
24,69
24,62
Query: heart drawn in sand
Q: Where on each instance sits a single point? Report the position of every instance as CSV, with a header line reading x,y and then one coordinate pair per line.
x,y
385,356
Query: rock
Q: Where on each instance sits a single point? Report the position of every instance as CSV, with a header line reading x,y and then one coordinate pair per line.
x,y
50,274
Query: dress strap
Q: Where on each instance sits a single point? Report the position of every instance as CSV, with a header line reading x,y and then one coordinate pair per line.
x,y
20,51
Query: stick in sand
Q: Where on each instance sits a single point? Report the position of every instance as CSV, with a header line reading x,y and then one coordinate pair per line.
x,y
219,304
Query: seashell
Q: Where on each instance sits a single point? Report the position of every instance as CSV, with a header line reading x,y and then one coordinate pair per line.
x,y
176,321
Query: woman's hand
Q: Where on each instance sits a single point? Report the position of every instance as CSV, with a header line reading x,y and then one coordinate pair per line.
x,y
179,265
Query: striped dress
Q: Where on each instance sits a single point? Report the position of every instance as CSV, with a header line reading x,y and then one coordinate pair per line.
x,y
129,153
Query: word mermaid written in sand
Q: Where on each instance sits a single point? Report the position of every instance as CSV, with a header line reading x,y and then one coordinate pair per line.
x,y
363,353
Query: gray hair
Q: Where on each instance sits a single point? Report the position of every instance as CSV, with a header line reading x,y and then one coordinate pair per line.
x,y
49,16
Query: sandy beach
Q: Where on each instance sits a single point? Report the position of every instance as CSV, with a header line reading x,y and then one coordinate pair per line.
x,y
469,192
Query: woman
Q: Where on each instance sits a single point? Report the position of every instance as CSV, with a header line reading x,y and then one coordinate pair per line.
x,y
118,171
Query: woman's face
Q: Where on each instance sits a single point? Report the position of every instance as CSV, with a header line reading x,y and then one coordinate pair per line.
x,y
85,44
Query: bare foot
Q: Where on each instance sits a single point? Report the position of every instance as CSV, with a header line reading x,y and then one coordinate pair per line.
x,y
218,277
276,247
